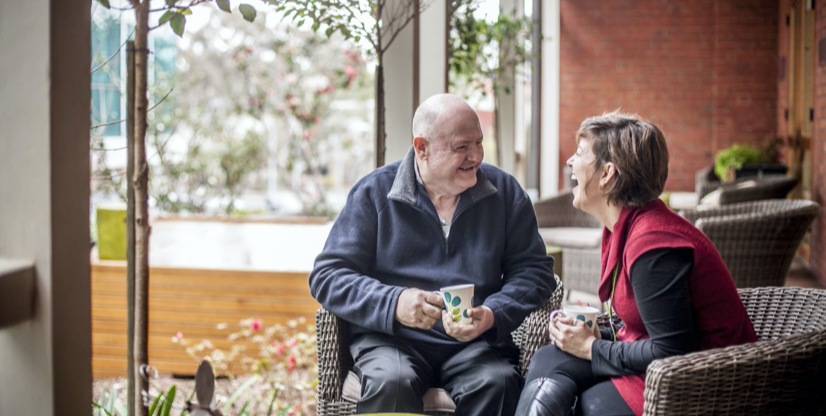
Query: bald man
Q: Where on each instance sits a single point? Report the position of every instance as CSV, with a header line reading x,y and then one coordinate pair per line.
x,y
439,217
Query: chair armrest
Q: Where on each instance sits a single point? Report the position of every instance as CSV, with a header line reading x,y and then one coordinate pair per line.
x,y
334,360
784,376
533,333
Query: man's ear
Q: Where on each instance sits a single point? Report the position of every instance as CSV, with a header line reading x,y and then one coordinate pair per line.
x,y
420,146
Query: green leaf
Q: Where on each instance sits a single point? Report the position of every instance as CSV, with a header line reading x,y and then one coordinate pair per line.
x,y
248,12
168,15
272,401
99,407
447,297
223,5
234,396
186,12
300,23
154,405
244,409
105,3
178,24
456,301
167,403
171,3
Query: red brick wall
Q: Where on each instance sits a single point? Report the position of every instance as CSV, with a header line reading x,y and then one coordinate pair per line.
x,y
705,71
782,68
818,238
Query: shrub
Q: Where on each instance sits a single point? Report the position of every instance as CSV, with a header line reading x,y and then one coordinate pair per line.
x,y
729,160
284,365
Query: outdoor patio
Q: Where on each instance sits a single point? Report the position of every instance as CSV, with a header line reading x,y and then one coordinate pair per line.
x,y
258,124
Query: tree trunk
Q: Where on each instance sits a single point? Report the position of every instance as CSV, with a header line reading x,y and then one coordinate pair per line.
x,y
140,182
497,130
380,137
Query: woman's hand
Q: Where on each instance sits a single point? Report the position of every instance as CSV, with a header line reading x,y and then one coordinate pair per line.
x,y
572,336
597,332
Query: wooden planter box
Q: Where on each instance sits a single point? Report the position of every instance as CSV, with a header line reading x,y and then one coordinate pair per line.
x,y
193,302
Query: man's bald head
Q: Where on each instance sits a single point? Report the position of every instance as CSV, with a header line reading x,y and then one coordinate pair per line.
x,y
441,114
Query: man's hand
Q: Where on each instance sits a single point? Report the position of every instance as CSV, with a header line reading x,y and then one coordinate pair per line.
x,y
418,308
482,321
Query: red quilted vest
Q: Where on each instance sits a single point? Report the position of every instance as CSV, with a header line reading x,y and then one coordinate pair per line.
x,y
719,316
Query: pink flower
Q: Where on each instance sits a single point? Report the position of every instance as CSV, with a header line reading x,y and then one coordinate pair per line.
x,y
255,325
179,335
295,409
308,135
294,101
279,347
291,78
292,342
291,363
350,71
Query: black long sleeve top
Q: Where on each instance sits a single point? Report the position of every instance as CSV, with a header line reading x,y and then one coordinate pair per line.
x,y
660,281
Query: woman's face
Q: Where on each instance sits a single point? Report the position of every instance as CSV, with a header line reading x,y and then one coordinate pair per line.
x,y
587,194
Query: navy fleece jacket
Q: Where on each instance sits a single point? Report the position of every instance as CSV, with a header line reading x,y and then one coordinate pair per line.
x,y
388,238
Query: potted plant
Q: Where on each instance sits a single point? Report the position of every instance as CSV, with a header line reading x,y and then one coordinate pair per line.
x,y
745,160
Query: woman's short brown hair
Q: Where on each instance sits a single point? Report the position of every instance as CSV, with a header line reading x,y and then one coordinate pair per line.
x,y
637,149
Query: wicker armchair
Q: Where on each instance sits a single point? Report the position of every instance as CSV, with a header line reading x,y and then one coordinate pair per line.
x,y
757,240
335,361
559,211
705,181
755,189
579,234
782,374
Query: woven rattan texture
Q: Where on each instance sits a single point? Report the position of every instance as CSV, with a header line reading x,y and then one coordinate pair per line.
x,y
768,187
559,211
705,181
581,269
783,374
757,240
335,361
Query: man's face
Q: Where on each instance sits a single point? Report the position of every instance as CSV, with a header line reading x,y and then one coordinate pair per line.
x,y
454,159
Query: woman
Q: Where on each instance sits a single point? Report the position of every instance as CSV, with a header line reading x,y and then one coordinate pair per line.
x,y
660,275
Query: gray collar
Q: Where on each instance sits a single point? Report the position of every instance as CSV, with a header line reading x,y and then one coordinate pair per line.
x,y
404,186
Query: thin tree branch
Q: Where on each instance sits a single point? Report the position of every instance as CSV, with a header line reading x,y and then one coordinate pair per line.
x,y
100,149
161,100
114,54
401,27
107,124
123,119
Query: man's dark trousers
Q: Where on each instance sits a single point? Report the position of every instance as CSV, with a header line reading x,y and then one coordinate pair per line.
x,y
482,380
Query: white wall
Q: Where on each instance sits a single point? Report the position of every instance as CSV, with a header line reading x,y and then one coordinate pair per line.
x,y
400,79
432,50
45,363
398,90
549,158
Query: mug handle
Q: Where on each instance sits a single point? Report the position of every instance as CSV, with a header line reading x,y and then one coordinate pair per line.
x,y
552,316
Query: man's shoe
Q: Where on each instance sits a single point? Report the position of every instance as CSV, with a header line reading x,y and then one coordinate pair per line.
x,y
545,397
